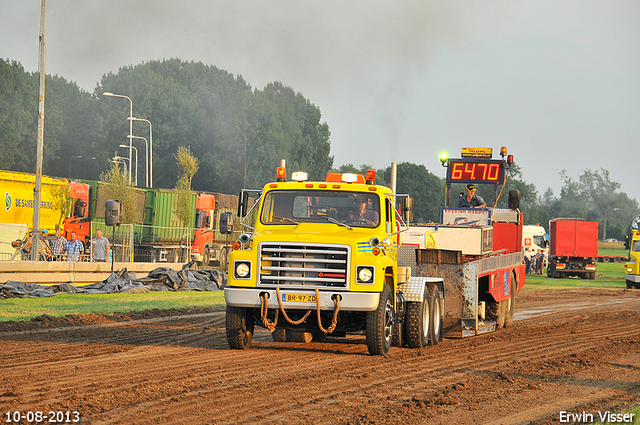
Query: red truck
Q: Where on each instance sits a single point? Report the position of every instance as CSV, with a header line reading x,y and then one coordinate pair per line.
x,y
573,248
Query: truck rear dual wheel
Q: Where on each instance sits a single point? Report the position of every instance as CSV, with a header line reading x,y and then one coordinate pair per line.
x,y
240,325
419,321
379,330
424,320
435,333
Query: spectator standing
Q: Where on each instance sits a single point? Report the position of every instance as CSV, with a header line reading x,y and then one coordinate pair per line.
x,y
44,250
100,247
540,262
73,248
58,245
527,260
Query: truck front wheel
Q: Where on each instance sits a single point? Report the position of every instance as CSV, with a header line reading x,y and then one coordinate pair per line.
x,y
380,325
418,321
240,326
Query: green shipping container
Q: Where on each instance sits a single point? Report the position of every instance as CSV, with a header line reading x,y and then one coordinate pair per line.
x,y
161,224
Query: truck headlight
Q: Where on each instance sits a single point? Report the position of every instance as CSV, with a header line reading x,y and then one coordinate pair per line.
x,y
365,274
242,270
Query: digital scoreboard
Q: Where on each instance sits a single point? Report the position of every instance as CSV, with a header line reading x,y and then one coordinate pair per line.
x,y
475,170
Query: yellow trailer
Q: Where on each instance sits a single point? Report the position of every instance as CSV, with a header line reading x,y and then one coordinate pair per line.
x,y
16,215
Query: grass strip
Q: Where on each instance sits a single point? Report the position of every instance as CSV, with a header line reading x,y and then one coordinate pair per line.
x,y
64,304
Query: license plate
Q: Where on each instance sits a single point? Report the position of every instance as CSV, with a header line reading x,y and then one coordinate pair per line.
x,y
299,298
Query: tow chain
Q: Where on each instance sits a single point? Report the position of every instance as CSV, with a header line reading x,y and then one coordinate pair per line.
x,y
334,321
263,312
272,325
284,313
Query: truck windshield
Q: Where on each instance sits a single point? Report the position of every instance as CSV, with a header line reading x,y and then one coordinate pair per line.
x,y
355,209
539,241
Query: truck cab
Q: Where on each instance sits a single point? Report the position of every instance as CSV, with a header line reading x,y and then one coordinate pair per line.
x,y
324,246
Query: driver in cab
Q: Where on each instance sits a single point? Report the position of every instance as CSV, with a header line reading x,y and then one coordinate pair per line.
x,y
363,213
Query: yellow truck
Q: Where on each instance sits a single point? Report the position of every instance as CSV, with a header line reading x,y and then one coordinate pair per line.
x,y
336,257
16,216
632,268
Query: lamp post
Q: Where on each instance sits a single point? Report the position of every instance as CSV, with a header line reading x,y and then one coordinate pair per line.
x,y
146,158
135,149
150,148
70,158
84,172
130,125
120,160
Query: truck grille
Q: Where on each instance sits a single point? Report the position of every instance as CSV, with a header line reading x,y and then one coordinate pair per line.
x,y
304,265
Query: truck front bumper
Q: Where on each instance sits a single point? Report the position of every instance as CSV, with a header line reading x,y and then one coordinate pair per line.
x,y
349,301
632,278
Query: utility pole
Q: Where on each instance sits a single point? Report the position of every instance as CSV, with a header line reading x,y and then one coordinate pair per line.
x,y
35,245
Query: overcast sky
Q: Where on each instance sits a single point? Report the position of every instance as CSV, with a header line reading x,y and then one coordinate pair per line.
x,y
557,82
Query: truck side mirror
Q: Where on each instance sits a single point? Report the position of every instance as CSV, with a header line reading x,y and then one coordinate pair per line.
x,y
514,199
626,242
79,208
243,200
113,212
409,210
226,223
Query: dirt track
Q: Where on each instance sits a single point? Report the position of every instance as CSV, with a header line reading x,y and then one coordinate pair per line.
x,y
568,350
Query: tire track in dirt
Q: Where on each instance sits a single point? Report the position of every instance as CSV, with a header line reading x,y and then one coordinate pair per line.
x,y
160,377
371,384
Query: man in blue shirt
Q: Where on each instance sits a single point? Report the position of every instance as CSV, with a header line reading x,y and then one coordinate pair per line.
x,y
471,200
73,248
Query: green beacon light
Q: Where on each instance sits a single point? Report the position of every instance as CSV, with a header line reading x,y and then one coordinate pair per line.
x,y
443,158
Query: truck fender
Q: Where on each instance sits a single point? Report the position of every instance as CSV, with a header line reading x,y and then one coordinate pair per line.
x,y
413,290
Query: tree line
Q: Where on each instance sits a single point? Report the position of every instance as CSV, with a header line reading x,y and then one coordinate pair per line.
x,y
238,134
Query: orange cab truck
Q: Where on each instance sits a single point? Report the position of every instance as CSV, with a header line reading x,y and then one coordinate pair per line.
x,y
336,257
158,236
214,228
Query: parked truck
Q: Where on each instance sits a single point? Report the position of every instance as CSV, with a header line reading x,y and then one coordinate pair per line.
x,y
336,257
16,217
158,235
534,237
573,248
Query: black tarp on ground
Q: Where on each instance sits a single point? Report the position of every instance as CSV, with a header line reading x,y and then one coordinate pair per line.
x,y
159,279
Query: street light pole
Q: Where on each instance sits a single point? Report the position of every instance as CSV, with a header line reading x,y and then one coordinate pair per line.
x,y
70,158
146,158
130,125
84,172
135,149
120,160
150,148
